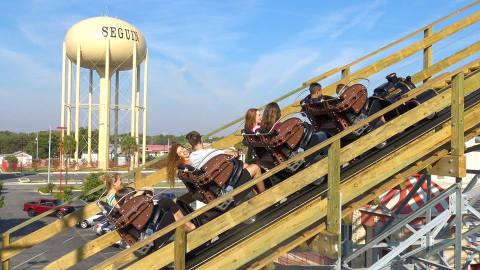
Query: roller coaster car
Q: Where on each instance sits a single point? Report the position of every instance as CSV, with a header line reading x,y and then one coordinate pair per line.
x,y
285,140
138,217
335,114
220,175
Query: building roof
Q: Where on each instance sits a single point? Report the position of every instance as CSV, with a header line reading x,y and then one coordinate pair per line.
x,y
158,147
17,153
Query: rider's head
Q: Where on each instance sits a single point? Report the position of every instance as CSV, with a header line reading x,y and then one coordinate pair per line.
x,y
195,139
271,114
315,90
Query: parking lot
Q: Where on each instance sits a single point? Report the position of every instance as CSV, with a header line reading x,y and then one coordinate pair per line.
x,y
11,214
39,256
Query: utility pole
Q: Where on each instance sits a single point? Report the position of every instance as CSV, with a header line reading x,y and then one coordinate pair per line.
x,y
49,151
37,145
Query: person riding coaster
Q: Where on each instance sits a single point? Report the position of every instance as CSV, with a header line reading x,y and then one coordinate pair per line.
x,y
137,215
352,105
285,140
218,176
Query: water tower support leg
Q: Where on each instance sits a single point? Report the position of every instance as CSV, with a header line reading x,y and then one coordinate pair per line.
x,y
69,98
132,107
77,104
144,125
62,112
89,136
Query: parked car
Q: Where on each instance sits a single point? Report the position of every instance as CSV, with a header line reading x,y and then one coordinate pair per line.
x,y
91,221
102,226
43,205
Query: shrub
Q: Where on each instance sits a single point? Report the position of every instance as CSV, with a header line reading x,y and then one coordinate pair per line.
x,y
92,181
65,195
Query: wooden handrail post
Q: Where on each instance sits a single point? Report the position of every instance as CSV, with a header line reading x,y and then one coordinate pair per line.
x,y
5,243
345,72
458,155
427,52
334,204
454,165
458,139
180,247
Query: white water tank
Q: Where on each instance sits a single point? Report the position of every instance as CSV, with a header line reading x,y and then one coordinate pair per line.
x,y
92,33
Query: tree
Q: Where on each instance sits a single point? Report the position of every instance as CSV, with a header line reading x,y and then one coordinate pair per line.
x,y
12,162
92,181
69,146
129,147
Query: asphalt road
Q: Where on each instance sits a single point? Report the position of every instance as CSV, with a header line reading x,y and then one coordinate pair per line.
x,y
16,194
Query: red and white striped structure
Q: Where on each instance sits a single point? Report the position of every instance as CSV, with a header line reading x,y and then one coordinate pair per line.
x,y
392,200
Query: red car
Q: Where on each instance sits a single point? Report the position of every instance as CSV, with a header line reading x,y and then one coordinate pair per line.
x,y
43,205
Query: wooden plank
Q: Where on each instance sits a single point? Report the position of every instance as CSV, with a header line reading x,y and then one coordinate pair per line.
x,y
333,221
90,248
334,209
448,61
288,226
458,141
161,258
180,246
5,243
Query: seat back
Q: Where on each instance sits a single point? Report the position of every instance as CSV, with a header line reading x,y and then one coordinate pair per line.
x,y
217,171
289,133
136,212
353,98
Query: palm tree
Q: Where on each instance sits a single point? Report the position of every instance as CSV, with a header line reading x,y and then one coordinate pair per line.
x,y
129,147
69,146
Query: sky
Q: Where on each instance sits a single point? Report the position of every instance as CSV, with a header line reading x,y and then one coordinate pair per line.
x,y
209,60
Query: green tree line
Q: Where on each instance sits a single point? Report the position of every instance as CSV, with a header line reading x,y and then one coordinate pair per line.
x,y
21,141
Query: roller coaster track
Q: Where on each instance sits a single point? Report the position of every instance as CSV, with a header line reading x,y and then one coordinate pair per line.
x,y
414,143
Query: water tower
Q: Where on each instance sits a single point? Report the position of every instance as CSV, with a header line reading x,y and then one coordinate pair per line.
x,y
106,45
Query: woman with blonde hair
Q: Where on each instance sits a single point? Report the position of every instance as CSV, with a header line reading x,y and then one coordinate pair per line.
x,y
113,183
177,155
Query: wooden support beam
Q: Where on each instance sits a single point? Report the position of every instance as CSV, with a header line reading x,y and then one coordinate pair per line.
x,y
455,164
5,243
450,166
458,105
345,73
90,248
427,52
333,235
180,246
